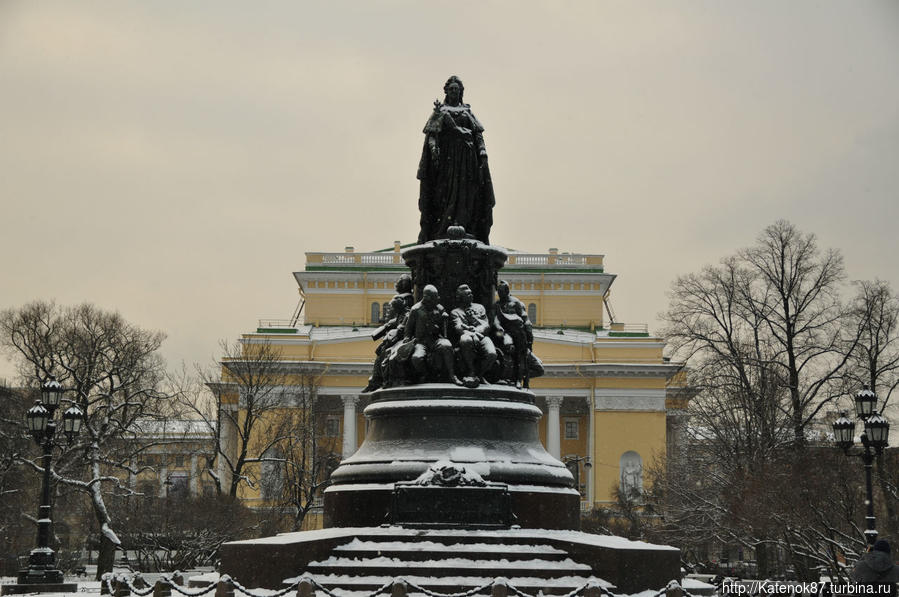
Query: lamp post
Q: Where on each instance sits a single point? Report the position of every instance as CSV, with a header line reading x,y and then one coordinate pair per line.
x,y
576,469
42,575
874,439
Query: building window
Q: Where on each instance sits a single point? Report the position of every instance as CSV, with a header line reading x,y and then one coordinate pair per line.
x,y
571,429
148,488
178,486
179,460
332,427
375,312
532,312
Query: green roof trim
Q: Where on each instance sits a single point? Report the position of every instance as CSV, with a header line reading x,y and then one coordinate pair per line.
x,y
628,334
276,330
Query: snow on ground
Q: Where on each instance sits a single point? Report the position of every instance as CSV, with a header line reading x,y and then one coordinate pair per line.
x,y
84,586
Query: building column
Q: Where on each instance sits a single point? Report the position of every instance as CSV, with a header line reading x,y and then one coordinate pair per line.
x,y
591,417
227,440
163,477
349,425
553,437
194,476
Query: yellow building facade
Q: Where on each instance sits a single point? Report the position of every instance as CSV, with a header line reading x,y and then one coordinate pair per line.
x,y
609,397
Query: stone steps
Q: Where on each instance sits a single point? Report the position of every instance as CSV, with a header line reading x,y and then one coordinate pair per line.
x,y
449,565
426,550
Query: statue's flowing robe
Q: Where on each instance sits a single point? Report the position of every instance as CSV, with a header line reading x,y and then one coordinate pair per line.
x,y
457,190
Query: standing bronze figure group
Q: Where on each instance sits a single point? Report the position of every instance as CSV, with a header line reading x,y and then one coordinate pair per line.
x,y
468,346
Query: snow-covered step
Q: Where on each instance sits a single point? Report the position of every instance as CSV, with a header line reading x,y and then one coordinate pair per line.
x,y
450,566
424,550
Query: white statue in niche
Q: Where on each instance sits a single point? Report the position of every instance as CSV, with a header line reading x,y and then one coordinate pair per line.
x,y
631,467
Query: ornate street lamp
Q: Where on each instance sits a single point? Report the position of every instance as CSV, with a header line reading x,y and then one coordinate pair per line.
x,y
874,439
72,420
51,393
42,574
844,432
865,402
37,418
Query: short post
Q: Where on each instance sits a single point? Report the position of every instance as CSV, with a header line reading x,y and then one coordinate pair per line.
x,y
674,589
162,588
500,587
305,588
224,587
399,588
120,587
178,578
593,589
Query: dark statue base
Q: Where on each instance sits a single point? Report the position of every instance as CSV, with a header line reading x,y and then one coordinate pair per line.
x,y
481,507
489,432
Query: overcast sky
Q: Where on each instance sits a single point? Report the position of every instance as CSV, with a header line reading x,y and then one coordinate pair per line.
x,y
175,160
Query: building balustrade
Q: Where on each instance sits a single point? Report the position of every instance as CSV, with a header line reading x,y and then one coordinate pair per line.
x,y
551,260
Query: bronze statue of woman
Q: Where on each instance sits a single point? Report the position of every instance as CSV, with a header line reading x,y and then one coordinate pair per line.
x,y
456,189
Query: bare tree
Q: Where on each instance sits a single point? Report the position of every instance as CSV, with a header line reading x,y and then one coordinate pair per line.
x,y
268,423
16,490
310,455
768,344
247,391
113,372
875,357
874,361
739,412
794,291
177,533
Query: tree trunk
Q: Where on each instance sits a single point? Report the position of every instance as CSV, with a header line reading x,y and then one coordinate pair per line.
x,y
106,557
763,568
888,526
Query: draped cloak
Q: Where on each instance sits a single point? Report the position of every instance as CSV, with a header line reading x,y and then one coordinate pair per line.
x,y
457,190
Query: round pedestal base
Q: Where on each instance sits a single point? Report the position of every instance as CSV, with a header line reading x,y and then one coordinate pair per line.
x,y
490,431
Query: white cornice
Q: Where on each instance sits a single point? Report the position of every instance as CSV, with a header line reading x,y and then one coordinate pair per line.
x,y
630,399
664,370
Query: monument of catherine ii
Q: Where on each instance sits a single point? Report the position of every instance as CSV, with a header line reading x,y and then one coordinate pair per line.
x,y
452,484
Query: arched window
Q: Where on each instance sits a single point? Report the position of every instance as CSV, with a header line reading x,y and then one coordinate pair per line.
x,y
532,313
375,312
386,311
631,471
